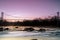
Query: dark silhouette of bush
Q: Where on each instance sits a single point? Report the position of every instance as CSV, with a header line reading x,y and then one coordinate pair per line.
x,y
53,22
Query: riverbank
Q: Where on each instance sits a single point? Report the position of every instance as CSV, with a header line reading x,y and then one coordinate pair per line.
x,y
29,38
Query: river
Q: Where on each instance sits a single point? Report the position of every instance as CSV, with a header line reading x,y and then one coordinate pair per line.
x,y
24,35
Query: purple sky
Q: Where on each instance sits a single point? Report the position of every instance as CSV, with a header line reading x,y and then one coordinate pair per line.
x,y
28,9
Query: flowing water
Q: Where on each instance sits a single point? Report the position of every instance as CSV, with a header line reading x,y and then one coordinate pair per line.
x,y
24,35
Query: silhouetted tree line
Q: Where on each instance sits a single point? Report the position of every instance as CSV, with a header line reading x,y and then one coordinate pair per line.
x,y
53,22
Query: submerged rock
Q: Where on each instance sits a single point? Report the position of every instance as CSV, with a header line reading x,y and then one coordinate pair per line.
x,y
6,29
33,39
28,29
41,30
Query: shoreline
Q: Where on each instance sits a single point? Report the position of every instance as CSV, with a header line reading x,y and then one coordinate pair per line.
x,y
29,38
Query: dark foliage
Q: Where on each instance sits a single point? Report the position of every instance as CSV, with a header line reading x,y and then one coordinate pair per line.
x,y
53,22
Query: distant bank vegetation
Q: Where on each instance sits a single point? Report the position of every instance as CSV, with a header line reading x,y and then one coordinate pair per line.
x,y
52,22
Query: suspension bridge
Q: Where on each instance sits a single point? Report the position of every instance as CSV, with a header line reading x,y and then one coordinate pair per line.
x,y
11,18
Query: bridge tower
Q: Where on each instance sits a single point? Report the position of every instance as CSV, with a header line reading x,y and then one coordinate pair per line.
x,y
58,15
2,15
58,19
